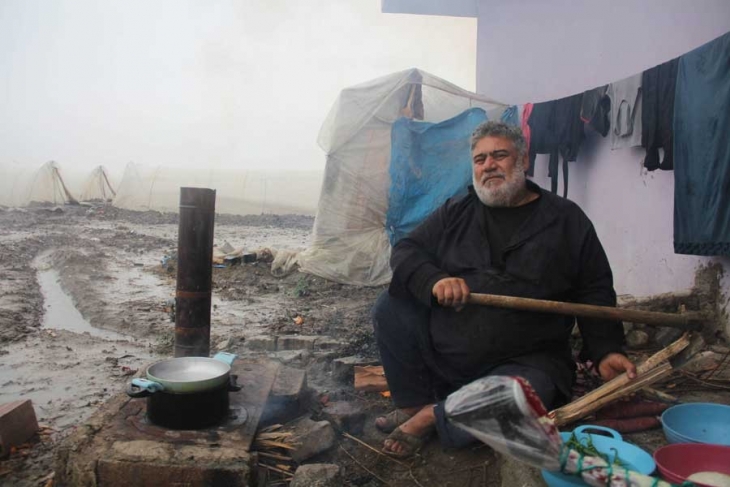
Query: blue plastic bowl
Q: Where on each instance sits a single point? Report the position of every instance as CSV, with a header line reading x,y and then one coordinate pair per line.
x,y
697,422
634,457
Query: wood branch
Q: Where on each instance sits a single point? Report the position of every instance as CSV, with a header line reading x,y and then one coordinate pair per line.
x,y
622,385
684,321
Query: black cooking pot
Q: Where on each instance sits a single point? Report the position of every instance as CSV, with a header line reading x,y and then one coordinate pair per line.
x,y
176,403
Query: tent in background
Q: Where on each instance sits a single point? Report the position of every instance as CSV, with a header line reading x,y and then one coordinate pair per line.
x,y
44,187
350,242
97,186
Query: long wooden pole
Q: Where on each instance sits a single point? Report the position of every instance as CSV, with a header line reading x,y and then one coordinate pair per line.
x,y
684,321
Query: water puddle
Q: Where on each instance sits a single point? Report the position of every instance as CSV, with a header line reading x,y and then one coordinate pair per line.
x,y
60,312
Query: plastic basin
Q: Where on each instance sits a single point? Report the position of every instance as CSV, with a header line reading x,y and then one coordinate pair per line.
x,y
698,422
634,457
678,461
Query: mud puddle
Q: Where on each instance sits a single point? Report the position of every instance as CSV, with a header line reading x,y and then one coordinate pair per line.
x,y
60,312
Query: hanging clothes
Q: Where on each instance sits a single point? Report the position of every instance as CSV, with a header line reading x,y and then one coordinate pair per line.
x,y
657,117
556,129
526,112
626,106
595,110
510,116
702,151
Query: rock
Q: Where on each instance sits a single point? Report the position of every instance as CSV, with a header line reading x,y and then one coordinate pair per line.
x,y
343,367
637,338
317,475
224,344
286,356
287,396
296,342
313,437
664,335
261,342
345,416
628,327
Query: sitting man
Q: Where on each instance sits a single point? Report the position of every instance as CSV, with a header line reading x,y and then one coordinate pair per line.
x,y
507,237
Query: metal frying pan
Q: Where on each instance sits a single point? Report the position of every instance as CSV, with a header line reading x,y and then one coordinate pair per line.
x,y
188,374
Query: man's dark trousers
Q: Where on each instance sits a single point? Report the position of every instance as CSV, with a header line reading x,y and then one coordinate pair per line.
x,y
415,376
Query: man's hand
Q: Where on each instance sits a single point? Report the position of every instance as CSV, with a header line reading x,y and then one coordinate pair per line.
x,y
451,291
614,364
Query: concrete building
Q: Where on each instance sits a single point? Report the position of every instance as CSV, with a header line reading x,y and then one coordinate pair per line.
x,y
536,50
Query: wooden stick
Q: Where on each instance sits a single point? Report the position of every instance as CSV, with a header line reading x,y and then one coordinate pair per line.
x,y
684,321
350,437
586,405
274,469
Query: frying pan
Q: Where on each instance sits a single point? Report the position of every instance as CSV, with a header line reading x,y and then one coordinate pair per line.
x,y
184,375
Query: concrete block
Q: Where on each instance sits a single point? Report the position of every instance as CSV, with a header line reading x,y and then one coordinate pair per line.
x,y
286,356
343,367
317,475
261,342
328,343
287,397
345,416
18,424
295,342
312,437
117,473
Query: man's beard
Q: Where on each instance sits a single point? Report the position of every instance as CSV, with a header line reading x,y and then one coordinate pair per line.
x,y
507,194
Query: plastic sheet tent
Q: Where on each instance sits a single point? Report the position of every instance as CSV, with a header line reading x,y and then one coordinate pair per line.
x,y
238,192
23,186
97,186
350,243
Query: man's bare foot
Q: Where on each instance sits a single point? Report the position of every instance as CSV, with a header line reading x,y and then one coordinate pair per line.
x,y
395,418
419,426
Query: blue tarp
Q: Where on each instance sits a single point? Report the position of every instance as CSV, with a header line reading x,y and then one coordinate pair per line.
x,y
429,163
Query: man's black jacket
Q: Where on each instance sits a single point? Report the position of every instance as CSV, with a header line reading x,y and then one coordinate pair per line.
x,y
554,255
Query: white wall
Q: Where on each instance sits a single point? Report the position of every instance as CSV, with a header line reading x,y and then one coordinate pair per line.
x,y
536,50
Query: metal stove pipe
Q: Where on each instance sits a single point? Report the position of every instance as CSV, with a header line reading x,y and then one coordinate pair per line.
x,y
194,272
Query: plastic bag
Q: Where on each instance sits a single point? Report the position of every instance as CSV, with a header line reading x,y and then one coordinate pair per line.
x,y
506,413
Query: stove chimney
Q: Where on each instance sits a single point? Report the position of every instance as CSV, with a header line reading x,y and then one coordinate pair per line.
x,y
194,272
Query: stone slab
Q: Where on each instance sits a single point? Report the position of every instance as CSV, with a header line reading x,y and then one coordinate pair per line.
x,y
17,424
287,397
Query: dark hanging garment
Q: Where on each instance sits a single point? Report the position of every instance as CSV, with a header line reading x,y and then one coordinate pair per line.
x,y
657,116
556,129
595,109
702,151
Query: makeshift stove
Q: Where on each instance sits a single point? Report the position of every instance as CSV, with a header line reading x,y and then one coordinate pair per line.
x,y
119,446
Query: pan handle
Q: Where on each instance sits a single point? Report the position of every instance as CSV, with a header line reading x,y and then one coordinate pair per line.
x,y
143,388
225,357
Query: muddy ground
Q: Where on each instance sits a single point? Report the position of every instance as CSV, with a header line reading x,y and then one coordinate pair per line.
x,y
85,301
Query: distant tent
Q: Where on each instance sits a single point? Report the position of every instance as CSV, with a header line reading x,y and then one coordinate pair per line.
x,y
97,186
375,136
47,187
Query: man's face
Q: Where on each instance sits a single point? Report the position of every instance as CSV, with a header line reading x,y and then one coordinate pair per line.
x,y
499,177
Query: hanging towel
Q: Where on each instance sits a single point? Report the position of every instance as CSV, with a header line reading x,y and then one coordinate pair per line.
x,y
626,112
595,110
556,129
657,116
702,151
526,112
510,116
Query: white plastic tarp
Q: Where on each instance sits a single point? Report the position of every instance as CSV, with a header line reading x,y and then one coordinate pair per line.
x,y
349,242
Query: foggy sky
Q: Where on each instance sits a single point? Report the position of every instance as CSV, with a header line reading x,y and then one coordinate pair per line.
x,y
243,83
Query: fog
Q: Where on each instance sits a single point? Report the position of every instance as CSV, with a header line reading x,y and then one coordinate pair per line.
x,y
239,84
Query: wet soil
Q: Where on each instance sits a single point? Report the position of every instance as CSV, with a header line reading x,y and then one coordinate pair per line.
x,y
86,301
